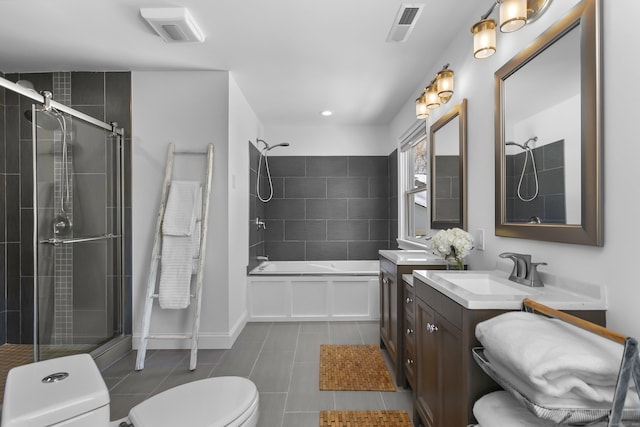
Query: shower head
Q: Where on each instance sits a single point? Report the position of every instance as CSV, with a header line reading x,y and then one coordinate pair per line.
x,y
282,144
524,146
268,147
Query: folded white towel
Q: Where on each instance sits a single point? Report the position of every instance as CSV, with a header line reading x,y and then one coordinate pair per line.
x,y
175,272
552,355
180,250
501,409
571,399
182,208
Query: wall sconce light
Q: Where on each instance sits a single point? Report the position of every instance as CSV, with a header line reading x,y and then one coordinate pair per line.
x,y
431,92
484,38
444,84
439,91
514,14
422,112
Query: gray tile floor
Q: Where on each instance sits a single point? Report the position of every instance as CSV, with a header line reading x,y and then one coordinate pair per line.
x,y
282,359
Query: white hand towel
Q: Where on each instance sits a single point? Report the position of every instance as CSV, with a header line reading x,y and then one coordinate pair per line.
x,y
182,208
554,356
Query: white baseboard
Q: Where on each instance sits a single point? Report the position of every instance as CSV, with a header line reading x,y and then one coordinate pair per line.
x,y
206,340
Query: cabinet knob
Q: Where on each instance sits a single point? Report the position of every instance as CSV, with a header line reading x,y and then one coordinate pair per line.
x,y
409,331
409,300
431,328
409,362
385,281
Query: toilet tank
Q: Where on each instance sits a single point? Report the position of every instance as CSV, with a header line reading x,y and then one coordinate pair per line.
x,y
65,391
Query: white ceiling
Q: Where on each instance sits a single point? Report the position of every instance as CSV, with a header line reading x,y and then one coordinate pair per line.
x,y
291,58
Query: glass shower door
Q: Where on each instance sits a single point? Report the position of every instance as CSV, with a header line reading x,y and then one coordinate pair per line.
x,y
78,243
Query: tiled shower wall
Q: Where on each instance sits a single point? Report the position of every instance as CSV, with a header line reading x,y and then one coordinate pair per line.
x,y
106,96
326,208
549,205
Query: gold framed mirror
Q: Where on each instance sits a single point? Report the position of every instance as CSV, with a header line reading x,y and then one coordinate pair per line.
x,y
548,135
448,138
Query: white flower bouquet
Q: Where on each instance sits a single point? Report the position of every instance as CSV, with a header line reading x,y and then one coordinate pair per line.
x,y
453,245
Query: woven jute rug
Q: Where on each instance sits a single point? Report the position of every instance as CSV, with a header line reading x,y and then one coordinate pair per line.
x,y
353,367
12,355
365,419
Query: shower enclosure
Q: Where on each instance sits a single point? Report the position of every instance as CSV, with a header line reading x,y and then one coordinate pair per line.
x,y
78,228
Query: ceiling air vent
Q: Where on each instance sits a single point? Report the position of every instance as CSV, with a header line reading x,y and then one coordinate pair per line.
x,y
173,24
406,19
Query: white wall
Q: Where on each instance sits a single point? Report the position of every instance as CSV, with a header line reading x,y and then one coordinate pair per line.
x,y
244,126
607,265
190,109
330,140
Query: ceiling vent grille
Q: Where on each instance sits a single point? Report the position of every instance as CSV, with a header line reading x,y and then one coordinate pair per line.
x,y
173,24
404,22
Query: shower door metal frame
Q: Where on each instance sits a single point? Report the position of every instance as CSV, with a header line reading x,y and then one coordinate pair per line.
x,y
120,135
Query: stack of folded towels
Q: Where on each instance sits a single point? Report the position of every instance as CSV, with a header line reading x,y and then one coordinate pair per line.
x,y
181,229
551,363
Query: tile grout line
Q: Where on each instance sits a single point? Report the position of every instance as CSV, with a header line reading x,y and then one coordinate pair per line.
x,y
295,352
168,375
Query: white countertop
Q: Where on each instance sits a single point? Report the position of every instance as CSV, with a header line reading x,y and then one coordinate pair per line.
x,y
411,257
564,294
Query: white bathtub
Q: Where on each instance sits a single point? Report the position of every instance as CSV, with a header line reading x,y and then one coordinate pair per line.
x,y
314,291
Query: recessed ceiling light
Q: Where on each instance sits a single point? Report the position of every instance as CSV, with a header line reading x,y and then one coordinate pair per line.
x,y
327,113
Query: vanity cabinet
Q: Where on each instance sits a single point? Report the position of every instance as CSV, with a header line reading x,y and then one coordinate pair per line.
x,y
409,348
448,380
392,310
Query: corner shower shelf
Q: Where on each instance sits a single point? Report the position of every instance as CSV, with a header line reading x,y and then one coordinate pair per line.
x,y
56,241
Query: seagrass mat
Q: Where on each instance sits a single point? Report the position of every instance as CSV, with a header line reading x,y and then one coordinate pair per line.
x,y
12,355
364,419
353,368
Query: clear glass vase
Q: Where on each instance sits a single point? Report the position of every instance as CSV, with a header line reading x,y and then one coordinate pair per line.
x,y
454,264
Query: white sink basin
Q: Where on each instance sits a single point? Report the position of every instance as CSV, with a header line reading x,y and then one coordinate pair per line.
x,y
485,284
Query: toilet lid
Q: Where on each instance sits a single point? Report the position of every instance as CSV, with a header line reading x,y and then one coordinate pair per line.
x,y
213,402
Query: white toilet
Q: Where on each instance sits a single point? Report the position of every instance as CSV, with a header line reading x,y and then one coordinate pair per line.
x,y
70,392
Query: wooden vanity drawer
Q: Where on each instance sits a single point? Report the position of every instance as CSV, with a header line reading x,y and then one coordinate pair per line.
x,y
445,305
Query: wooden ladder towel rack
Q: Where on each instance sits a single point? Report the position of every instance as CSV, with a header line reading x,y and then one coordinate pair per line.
x,y
151,294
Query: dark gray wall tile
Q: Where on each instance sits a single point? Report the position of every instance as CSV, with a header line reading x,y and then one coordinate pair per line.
x,y
348,230
368,208
285,251
87,88
327,166
305,230
286,165
305,188
326,251
359,250
347,187
379,186
285,209
26,311
117,99
378,229
326,208
368,166
275,229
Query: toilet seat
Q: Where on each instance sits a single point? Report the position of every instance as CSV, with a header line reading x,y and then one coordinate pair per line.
x,y
212,402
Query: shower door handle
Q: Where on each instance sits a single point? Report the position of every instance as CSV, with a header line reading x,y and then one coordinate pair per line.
x,y
56,241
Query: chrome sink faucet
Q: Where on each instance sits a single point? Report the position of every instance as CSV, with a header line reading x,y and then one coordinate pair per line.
x,y
524,271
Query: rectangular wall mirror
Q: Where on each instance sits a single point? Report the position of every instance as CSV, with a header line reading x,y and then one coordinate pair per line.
x,y
548,144
449,169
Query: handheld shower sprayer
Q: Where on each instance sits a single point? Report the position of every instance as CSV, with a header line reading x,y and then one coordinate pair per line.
x,y
263,154
527,152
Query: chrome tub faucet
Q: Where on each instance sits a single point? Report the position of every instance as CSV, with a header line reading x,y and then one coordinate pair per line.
x,y
524,271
